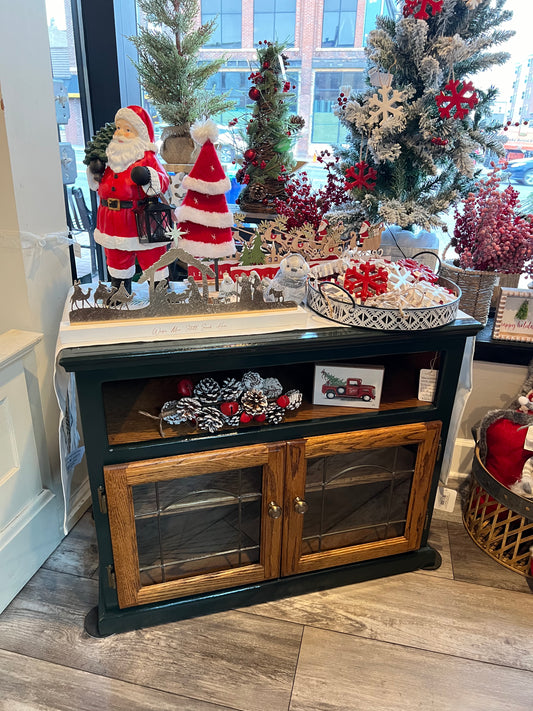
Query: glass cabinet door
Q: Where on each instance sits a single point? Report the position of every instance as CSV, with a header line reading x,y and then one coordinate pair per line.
x,y
195,523
356,495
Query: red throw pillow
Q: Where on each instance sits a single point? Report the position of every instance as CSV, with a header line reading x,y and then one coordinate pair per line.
x,y
506,455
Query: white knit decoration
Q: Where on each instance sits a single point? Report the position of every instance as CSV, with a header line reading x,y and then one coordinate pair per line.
x,y
203,130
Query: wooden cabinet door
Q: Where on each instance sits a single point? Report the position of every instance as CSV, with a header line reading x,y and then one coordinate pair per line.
x,y
195,523
356,495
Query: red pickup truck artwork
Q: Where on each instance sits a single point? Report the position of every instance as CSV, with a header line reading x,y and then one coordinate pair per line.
x,y
351,388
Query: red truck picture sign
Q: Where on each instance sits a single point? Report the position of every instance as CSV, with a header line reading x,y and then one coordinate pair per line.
x,y
347,389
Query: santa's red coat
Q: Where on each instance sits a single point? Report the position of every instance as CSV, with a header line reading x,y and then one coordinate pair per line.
x,y
117,229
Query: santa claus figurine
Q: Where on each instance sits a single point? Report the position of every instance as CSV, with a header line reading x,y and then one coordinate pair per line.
x,y
133,172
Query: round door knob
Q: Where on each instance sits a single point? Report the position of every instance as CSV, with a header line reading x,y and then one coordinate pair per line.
x,y
300,506
274,510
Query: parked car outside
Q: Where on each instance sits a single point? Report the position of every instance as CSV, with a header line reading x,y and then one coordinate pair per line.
x,y
521,171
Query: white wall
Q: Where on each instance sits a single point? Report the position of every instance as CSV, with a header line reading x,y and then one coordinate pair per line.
x,y
494,386
35,273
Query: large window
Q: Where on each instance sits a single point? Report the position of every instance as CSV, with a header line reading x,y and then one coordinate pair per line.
x,y
326,126
338,23
375,8
275,20
227,13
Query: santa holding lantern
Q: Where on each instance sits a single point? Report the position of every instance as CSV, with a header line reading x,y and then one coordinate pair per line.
x,y
133,172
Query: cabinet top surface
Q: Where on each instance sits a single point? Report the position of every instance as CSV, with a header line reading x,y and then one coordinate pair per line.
x,y
322,342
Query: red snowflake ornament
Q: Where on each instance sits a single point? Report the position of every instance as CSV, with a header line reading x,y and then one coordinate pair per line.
x,y
363,178
456,99
421,12
366,280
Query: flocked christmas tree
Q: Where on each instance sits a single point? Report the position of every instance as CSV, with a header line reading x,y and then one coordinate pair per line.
x,y
413,133
169,69
270,133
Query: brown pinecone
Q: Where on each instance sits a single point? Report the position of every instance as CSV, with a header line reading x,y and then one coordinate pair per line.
x,y
254,402
257,192
274,414
210,419
295,399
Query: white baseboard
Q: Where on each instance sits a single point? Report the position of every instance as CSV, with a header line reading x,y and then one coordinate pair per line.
x,y
27,542
461,464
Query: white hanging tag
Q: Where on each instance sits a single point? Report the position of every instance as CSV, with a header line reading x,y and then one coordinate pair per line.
x,y
445,499
427,384
528,444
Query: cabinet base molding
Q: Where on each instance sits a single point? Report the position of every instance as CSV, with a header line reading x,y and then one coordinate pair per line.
x,y
102,623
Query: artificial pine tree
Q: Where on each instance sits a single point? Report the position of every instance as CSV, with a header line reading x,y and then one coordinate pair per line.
x,y
271,132
95,150
169,69
411,134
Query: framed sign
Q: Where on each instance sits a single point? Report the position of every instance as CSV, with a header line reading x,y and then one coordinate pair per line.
x,y
514,317
348,385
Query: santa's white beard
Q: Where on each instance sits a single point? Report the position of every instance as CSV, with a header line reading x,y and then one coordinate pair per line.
x,y
121,154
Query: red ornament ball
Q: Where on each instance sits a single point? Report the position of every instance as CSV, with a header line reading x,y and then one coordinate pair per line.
x,y
260,418
250,154
282,401
245,418
229,408
266,65
185,387
254,94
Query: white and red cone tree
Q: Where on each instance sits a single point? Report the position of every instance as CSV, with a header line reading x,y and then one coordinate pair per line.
x,y
203,217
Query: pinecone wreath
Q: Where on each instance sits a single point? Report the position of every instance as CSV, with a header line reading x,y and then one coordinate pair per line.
x,y
207,390
210,419
254,403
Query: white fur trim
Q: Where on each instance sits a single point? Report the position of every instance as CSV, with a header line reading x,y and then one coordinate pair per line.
x,y
154,186
206,249
202,217
204,130
202,186
126,244
121,273
93,184
161,274
136,121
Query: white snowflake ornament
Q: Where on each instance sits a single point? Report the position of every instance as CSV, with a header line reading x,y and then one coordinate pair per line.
x,y
389,103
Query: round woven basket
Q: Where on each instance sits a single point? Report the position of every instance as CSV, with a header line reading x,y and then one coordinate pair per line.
x,y
476,289
499,521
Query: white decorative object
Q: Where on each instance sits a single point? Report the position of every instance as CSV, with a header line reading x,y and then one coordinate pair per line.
x,y
290,280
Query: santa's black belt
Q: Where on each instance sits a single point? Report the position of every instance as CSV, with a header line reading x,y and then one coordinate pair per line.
x,y
114,204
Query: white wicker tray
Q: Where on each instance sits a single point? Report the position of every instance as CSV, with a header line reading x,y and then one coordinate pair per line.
x,y
340,306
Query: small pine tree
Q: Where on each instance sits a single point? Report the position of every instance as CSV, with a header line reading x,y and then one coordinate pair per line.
x,y
168,62
96,147
405,163
270,133
331,379
522,312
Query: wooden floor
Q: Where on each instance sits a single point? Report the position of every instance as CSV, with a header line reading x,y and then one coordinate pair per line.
x,y
459,638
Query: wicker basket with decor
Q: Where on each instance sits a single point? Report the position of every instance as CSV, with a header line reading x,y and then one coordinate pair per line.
x,y
491,238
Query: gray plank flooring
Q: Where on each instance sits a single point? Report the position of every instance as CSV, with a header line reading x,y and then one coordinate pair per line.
x,y
460,638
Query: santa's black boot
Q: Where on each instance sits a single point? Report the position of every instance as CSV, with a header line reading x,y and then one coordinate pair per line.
x,y
117,282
